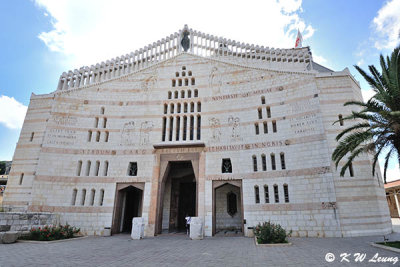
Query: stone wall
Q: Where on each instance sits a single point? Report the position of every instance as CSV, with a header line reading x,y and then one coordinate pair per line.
x,y
21,221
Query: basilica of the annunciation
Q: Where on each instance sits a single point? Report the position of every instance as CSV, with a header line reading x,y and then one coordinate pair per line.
x,y
197,125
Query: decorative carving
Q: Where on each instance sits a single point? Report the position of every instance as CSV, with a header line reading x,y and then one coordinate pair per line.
x,y
65,120
149,82
234,122
226,166
215,81
145,129
128,134
328,205
215,129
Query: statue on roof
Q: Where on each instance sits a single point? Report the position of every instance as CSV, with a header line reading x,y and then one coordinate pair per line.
x,y
185,41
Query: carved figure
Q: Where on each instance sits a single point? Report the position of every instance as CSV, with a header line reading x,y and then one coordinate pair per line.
x,y
215,81
145,130
128,134
234,123
215,128
149,83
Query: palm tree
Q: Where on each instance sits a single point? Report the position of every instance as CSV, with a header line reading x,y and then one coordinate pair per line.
x,y
377,130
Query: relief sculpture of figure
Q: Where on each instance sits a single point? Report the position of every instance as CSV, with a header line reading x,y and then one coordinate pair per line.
x,y
234,123
149,83
145,130
128,134
215,128
215,81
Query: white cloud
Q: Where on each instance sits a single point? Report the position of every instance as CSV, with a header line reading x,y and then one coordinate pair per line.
x,y
319,59
367,94
12,112
89,32
387,25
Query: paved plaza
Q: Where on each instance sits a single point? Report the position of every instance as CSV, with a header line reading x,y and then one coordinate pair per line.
x,y
178,250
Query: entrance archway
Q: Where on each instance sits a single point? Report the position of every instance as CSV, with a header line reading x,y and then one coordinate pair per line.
x,y
128,204
227,207
178,197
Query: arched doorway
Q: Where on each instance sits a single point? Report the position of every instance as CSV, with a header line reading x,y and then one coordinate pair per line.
x,y
178,197
128,204
227,208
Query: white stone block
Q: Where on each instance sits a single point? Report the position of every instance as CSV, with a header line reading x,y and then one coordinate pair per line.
x,y
137,228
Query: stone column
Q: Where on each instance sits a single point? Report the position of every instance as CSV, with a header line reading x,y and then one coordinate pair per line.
x,y
397,203
167,129
173,123
194,127
181,129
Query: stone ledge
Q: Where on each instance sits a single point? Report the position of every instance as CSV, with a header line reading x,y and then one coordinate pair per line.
x,y
272,245
50,242
385,247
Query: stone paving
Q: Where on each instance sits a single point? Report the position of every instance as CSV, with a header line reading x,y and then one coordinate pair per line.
x,y
178,250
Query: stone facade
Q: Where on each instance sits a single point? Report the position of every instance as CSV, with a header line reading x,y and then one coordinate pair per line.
x,y
254,118
22,221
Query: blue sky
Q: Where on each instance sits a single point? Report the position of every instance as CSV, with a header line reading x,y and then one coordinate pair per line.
x,y
41,39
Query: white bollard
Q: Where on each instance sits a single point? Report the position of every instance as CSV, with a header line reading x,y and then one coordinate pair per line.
x,y
196,228
137,228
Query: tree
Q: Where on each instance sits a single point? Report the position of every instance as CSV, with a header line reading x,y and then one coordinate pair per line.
x,y
377,130
2,167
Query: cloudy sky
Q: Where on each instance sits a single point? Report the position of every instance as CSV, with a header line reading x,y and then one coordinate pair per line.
x,y
40,39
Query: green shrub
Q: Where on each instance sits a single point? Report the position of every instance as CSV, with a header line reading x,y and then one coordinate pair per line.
x,y
49,233
270,233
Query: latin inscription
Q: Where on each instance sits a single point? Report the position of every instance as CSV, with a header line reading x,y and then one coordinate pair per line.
x,y
61,137
246,146
304,124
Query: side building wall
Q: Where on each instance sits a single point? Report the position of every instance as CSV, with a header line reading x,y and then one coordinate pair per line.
x,y
18,194
361,202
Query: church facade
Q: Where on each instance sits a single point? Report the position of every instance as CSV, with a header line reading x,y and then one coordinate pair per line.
x,y
201,126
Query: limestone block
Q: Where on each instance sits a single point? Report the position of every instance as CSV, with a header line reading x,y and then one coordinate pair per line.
x,y
9,237
137,228
107,231
196,228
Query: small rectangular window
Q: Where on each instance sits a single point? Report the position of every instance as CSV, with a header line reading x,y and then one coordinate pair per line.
x,y
274,126
283,163
286,192
266,194
265,127
32,134
257,194
276,193
268,109
257,128
254,163
132,169
273,165
226,166
264,162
